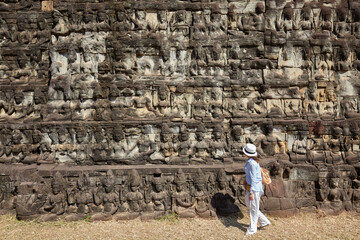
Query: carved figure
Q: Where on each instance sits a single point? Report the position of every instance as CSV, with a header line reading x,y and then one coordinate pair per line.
x,y
182,202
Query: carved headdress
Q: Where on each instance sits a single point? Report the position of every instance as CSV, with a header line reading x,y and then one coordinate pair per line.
x,y
158,178
199,177
134,178
221,177
180,177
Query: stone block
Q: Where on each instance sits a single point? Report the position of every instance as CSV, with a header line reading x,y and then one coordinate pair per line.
x,y
271,204
287,203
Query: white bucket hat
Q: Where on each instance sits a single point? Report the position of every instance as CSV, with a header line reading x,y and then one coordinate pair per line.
x,y
250,150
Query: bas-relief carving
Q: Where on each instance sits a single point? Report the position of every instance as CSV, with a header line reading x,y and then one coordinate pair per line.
x,y
73,79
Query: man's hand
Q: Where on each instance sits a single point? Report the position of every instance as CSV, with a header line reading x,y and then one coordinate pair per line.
x,y
251,197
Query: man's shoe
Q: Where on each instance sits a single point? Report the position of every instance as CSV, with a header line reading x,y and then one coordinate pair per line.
x,y
263,227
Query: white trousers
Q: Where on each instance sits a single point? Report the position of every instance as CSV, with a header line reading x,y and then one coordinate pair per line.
x,y
255,213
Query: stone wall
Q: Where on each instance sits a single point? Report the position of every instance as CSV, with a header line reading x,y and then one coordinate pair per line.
x,y
102,103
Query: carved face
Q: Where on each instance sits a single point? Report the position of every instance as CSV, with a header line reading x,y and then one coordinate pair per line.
x,y
222,185
159,187
19,97
63,136
109,186
217,135
180,16
56,188
87,57
162,95
184,136
334,182
39,97
87,17
102,16
200,186
134,188
215,17
323,183
140,15
118,135
167,137
36,138
179,187
200,136
121,16
81,136
162,17
17,137
98,136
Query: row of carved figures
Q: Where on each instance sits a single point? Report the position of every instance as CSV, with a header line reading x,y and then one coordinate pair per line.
x,y
175,144
198,194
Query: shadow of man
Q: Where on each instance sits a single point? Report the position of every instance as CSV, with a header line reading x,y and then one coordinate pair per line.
x,y
227,211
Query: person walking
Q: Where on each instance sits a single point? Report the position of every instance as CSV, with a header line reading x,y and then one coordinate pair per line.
x,y
254,189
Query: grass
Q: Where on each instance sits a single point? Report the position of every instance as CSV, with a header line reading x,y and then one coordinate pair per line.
x,y
172,217
171,226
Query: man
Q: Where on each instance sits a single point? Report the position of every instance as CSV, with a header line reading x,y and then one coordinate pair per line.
x,y
254,189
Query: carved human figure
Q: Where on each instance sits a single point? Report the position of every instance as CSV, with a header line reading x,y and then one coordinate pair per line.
x,y
109,198
163,21
184,147
306,22
269,145
29,201
199,30
336,194
223,201
162,101
102,20
83,196
217,59
201,146
202,201
216,103
356,195
335,153
120,147
6,145
348,192
181,201
344,62
82,150
60,26
182,102
326,18
34,148
123,24
179,24
198,61
219,148
299,148
99,148
18,148
167,147
159,200
20,107
256,107
134,200
238,143
140,23
287,17
217,27
56,201
141,104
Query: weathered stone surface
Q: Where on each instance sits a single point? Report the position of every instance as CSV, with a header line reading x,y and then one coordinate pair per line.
x,y
93,90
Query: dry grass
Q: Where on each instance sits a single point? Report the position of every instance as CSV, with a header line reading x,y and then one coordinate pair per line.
x,y
303,226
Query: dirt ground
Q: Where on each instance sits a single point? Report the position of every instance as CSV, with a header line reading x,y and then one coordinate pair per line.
x,y
302,226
